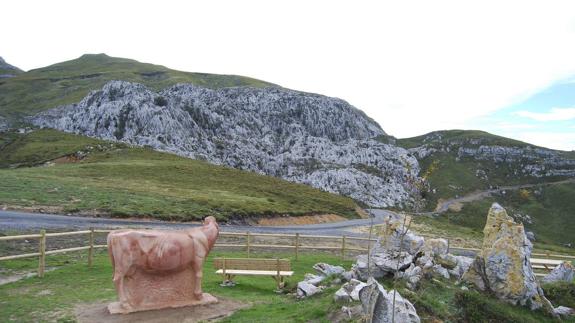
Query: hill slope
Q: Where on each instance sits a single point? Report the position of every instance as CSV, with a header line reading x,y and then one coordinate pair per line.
x,y
457,162
96,177
70,81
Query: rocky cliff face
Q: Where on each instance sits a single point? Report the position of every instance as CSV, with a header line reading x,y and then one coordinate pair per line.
x,y
301,137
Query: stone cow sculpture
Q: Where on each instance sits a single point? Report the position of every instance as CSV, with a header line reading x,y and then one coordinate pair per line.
x,y
160,268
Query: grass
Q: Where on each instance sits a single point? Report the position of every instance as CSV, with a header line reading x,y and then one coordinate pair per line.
x,y
123,181
70,81
55,295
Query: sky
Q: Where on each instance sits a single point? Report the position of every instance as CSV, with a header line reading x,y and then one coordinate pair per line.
x,y
507,67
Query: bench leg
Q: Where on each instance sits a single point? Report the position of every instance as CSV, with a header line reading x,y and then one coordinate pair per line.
x,y
228,281
280,284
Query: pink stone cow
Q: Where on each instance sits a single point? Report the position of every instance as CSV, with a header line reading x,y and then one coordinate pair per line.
x,y
152,262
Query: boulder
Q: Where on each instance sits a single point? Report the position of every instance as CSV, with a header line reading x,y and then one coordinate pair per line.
x,y
382,264
349,275
503,265
314,279
439,271
305,289
435,247
563,272
349,291
396,237
563,311
412,275
328,270
378,305
463,264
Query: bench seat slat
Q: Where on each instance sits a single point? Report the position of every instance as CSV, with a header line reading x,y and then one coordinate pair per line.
x,y
540,261
254,272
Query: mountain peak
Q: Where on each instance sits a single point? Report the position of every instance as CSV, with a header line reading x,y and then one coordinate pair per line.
x,y
7,70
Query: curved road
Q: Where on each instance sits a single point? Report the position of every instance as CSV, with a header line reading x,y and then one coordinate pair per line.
x,y
21,221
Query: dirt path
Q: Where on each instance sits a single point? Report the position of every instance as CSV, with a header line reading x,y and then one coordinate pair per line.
x,y
444,205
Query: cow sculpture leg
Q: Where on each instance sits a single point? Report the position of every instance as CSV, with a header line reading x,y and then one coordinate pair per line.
x,y
197,268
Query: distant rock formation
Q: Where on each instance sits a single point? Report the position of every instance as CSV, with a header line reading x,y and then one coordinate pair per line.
x,y
301,137
7,70
503,265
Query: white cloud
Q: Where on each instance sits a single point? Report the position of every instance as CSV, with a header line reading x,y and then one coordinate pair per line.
x,y
413,67
554,140
555,114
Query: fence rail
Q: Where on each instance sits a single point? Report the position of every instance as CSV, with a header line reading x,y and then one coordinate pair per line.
x,y
248,245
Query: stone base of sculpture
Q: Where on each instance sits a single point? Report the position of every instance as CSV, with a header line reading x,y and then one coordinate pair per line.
x,y
161,291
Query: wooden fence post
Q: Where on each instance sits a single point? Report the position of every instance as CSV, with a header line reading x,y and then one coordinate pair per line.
x,y
91,250
342,247
42,251
248,243
296,245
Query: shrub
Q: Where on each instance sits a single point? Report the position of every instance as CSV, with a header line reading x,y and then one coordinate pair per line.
x,y
160,101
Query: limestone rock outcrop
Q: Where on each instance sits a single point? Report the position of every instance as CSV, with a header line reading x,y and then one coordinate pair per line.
x,y
378,305
503,265
301,137
563,272
349,291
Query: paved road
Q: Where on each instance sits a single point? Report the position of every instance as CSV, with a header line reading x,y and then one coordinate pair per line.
x,y
21,221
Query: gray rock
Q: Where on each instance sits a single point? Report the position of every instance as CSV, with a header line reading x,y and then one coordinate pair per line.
x,y
563,272
412,276
396,237
314,279
351,290
463,264
305,289
530,235
301,137
349,275
341,296
377,304
439,271
563,311
503,265
382,264
328,270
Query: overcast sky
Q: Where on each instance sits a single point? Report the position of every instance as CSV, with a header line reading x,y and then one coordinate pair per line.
x,y
506,67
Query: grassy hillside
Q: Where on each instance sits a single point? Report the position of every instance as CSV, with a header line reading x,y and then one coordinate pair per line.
x,y
550,208
118,180
70,81
450,176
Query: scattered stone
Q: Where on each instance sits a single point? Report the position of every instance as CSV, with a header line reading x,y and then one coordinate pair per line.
x,y
377,304
328,270
530,235
395,238
563,272
382,264
502,266
314,279
463,264
563,311
305,289
439,271
435,247
412,275
349,275
341,295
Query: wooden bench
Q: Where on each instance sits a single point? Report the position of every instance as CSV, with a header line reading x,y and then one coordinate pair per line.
x,y
230,267
544,264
